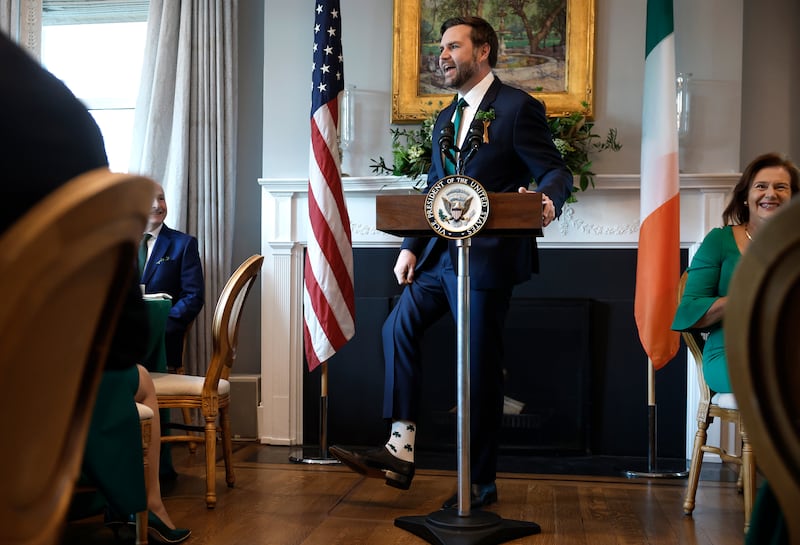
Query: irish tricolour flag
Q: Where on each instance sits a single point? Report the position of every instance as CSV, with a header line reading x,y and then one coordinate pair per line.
x,y
658,264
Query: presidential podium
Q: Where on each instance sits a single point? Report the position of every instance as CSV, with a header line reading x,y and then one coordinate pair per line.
x,y
457,207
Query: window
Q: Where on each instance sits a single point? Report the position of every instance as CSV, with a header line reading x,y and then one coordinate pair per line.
x,y
99,57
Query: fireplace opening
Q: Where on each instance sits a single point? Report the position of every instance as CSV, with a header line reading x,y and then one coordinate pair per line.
x,y
576,375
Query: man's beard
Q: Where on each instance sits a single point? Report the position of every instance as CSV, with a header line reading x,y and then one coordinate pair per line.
x,y
463,75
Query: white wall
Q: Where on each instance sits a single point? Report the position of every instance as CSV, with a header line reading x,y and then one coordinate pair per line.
x,y
771,81
247,221
708,37
733,48
741,54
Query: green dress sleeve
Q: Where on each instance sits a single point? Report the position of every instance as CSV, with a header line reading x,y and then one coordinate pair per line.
x,y
708,276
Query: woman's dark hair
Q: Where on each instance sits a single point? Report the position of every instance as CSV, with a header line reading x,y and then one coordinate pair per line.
x,y
482,33
737,211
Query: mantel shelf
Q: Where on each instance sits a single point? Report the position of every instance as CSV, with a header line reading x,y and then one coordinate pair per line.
x,y
712,181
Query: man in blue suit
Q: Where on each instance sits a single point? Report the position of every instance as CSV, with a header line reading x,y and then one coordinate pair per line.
x,y
172,266
517,147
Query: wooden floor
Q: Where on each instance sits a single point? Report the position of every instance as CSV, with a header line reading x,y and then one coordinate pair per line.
x,y
276,502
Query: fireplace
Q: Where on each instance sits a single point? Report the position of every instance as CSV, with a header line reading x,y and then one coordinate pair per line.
x,y
575,371
587,279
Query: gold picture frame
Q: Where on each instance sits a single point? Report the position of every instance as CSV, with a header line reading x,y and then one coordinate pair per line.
x,y
412,105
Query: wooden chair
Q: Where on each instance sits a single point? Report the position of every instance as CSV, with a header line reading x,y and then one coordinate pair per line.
x,y
722,406
63,267
762,319
211,394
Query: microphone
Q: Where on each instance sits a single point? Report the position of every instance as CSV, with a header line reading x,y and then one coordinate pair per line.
x,y
446,144
473,142
475,135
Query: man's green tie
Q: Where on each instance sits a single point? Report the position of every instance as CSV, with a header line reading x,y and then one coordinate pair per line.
x,y
143,252
449,167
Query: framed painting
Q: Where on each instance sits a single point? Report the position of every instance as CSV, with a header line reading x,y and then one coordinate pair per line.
x,y
546,48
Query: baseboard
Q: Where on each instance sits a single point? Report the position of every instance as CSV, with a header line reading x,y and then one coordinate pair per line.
x,y
245,397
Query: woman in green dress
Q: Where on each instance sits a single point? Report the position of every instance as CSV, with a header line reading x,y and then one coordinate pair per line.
x,y
767,183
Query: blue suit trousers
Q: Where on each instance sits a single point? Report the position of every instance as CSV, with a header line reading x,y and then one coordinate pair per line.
x,y
433,293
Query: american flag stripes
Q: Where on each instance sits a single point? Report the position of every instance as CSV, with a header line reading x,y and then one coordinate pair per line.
x,y
329,300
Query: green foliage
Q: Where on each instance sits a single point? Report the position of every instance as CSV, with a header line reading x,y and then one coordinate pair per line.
x,y
572,134
576,141
411,151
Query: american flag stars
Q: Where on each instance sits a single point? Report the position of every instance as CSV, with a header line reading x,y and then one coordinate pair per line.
x,y
327,68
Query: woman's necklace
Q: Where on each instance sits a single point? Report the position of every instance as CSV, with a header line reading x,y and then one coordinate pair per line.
x,y
747,233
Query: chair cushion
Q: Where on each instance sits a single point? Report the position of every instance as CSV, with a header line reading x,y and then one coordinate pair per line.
x,y
725,401
145,412
172,384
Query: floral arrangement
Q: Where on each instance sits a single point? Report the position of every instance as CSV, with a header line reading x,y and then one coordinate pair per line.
x,y
411,151
575,140
572,135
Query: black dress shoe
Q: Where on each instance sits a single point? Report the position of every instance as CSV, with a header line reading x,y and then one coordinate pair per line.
x,y
481,495
378,463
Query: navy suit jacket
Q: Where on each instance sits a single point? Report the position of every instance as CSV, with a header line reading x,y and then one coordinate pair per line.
x,y
520,147
174,267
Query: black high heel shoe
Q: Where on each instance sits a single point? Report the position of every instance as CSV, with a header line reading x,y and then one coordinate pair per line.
x,y
159,532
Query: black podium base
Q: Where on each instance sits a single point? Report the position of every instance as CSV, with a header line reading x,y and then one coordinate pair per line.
x,y
311,455
446,527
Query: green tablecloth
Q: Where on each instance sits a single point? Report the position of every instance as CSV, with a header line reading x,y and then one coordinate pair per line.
x,y
156,361
156,354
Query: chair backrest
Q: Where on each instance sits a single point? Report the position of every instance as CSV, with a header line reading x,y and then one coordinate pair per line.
x,y
227,316
695,342
64,267
762,319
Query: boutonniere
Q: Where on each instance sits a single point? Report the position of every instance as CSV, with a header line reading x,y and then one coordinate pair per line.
x,y
486,117
162,260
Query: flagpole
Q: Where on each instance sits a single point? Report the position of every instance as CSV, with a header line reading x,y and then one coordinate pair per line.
x,y
652,420
323,458
328,288
658,254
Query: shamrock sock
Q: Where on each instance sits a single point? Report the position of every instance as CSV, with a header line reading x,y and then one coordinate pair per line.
x,y
401,440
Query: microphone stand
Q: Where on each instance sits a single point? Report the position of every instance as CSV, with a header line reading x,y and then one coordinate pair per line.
x,y
460,525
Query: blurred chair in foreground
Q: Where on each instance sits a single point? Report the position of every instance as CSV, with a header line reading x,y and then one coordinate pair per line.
x,y
211,394
762,321
64,267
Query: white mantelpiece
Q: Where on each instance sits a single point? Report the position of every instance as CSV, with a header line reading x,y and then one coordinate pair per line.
x,y
604,217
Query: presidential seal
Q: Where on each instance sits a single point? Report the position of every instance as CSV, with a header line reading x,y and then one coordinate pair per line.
x,y
456,207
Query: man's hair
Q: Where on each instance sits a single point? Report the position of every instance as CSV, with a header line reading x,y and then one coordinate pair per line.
x,y
482,33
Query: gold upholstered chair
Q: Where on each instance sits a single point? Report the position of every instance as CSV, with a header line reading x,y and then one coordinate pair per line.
x,y
211,393
724,408
63,266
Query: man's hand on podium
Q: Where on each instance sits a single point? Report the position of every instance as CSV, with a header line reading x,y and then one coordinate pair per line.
x,y
404,267
548,210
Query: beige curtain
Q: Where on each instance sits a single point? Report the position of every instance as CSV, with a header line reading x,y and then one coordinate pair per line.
x,y
184,135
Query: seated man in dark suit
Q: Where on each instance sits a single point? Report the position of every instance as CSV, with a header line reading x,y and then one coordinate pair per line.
x,y
172,266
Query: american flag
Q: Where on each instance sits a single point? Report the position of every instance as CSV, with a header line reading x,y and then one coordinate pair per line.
x,y
329,300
